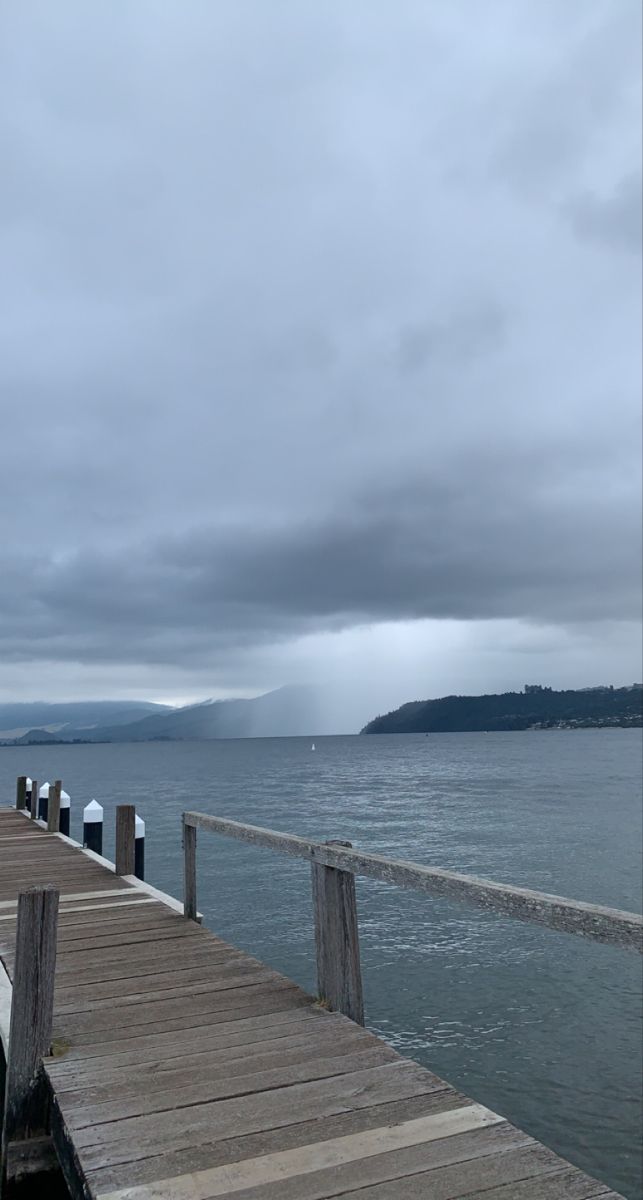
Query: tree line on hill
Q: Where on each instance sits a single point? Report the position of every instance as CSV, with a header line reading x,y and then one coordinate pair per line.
x,y
535,708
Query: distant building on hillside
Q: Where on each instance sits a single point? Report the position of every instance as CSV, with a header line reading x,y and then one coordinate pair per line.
x,y
534,689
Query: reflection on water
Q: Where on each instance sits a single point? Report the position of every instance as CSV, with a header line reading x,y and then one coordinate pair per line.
x,y
544,1028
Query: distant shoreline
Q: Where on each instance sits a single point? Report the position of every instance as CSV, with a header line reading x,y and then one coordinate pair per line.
x,y
306,736
535,708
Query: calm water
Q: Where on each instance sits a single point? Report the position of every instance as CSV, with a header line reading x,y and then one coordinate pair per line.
x,y
542,1027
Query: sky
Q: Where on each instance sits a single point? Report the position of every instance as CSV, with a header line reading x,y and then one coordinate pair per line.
x,y
319,347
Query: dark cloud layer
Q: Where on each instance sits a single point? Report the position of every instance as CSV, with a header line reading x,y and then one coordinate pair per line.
x,y
315,317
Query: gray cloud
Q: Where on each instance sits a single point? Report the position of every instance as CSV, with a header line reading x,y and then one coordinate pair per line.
x,y
313,318
615,220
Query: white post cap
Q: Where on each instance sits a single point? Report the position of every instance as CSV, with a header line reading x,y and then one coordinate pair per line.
x,y
29,782
43,793
139,824
92,812
65,800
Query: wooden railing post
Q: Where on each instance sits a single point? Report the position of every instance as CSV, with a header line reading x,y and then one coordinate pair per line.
x,y
189,871
125,857
53,807
339,977
26,1099
21,792
34,799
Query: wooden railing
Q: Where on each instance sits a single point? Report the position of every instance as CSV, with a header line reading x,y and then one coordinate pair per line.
x,y
334,866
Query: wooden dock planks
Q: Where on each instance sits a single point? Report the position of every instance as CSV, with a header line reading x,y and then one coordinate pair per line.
x,y
191,1070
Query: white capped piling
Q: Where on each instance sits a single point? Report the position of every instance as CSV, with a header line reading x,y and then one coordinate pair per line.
x,y
43,801
65,813
28,787
139,847
33,803
93,826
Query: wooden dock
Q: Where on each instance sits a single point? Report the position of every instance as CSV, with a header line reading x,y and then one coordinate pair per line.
x,y
184,1069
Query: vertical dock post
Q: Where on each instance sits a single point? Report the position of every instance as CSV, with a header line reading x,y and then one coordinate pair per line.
x,y
43,801
53,807
139,848
189,871
93,827
21,792
26,1100
28,793
33,803
124,859
65,813
339,977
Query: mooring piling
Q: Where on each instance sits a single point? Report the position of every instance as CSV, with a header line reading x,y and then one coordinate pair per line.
x,y
21,791
43,801
65,813
93,826
139,847
124,858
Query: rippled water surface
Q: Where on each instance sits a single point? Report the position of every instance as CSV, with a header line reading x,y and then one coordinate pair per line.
x,y
543,1027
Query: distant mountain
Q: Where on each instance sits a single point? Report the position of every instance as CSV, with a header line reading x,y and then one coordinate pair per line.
x,y
535,708
37,737
287,712
18,719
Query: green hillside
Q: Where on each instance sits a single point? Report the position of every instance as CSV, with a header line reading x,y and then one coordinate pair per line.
x,y
536,707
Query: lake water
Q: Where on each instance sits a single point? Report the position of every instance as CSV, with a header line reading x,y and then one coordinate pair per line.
x,y
542,1027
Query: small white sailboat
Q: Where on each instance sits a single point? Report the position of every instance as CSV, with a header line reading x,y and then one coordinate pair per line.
x,y
313,746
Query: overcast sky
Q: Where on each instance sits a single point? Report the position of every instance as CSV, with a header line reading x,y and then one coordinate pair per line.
x,y
319,346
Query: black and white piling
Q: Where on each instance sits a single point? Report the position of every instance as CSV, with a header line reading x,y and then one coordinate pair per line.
x,y
29,784
65,813
43,801
139,848
93,827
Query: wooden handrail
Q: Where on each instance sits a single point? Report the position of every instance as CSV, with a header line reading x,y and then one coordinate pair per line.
x,y
611,926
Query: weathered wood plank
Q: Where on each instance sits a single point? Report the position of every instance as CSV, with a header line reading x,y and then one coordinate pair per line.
x,y
25,1109
53,807
119,944
231,975
183,1069
242,978
120,1141
477,1176
189,872
149,920
566,1184
595,921
121,890
207,1089
182,957
136,1016
311,1172
124,858
241,1006
339,976
285,1137
152,976
250,1031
